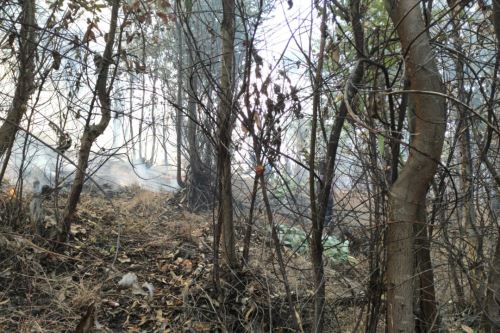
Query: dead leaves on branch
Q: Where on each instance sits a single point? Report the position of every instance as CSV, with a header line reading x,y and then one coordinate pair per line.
x,y
143,11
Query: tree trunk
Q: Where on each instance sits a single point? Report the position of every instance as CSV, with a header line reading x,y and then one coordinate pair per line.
x,y
319,210
225,125
25,79
199,177
178,112
492,315
408,193
474,241
248,231
131,118
428,319
91,132
425,295
317,223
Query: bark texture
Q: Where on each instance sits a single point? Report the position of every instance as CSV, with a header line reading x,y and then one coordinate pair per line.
x,y
25,79
225,125
407,195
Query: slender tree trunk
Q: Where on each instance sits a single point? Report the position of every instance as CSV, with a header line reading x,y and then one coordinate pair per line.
x,y
25,79
474,243
131,118
154,100
277,247
225,126
197,190
141,142
178,112
199,177
92,132
319,207
248,231
408,193
492,315
317,223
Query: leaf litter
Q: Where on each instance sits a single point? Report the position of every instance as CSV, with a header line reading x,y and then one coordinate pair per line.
x,y
146,267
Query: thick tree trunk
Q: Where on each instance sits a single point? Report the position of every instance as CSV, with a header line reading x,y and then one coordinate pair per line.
x,y
225,126
428,319
91,132
426,310
25,79
408,192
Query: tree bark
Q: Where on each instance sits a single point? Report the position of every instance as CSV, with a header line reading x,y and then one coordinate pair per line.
x,y
178,112
407,195
492,315
25,79
317,223
225,126
91,132
426,311
428,319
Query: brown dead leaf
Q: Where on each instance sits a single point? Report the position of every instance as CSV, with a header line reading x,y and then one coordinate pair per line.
x,y
164,17
187,265
124,259
202,327
89,35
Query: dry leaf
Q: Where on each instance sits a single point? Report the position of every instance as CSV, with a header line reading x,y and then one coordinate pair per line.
x,y
187,265
467,329
124,259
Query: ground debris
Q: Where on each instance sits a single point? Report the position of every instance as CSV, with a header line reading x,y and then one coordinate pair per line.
x,y
145,267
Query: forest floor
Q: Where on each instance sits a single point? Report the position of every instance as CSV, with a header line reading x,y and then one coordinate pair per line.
x,y
142,262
